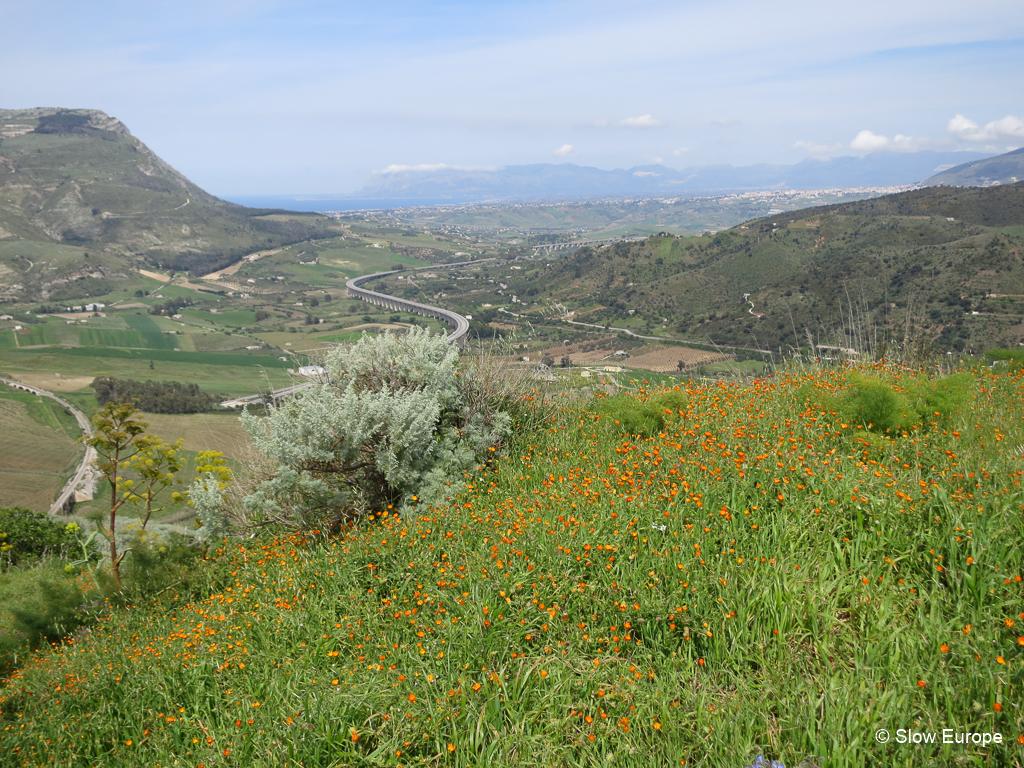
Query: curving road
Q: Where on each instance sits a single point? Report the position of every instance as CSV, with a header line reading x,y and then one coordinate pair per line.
x,y
459,324
84,476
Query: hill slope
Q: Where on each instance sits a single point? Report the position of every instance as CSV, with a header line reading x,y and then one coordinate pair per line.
x,y
938,265
1002,169
78,179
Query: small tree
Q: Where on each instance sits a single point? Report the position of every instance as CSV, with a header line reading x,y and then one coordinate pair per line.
x,y
156,465
120,440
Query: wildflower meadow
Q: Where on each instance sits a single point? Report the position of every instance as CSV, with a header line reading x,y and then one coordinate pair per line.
x,y
699,576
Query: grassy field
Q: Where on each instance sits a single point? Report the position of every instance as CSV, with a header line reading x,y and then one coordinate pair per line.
x,y
38,451
201,431
232,374
762,575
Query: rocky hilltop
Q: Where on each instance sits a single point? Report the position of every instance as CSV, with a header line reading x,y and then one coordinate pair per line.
x,y
77,178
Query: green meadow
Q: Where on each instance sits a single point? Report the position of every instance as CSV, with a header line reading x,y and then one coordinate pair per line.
x,y
693,576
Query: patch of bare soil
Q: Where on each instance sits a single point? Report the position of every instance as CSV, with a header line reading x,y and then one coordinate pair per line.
x,y
665,359
54,382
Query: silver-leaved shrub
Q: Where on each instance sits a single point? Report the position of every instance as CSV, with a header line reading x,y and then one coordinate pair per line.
x,y
392,423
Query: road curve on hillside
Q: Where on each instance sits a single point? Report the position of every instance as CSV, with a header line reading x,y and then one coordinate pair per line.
x,y
459,324
84,474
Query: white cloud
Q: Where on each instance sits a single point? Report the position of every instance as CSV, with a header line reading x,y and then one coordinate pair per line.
x,y
681,150
868,141
965,129
563,151
642,121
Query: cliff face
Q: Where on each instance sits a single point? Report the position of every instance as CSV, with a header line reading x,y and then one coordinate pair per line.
x,y
78,178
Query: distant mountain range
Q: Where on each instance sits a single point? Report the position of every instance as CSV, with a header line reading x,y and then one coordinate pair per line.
x,y
569,181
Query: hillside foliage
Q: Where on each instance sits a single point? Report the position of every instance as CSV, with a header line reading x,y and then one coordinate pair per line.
x,y
760,575
938,266
79,180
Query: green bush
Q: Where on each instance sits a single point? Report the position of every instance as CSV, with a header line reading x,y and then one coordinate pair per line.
x,y
57,602
26,535
159,562
1013,356
887,406
873,404
627,414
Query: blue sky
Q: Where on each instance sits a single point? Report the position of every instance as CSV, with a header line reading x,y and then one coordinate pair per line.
x,y
294,96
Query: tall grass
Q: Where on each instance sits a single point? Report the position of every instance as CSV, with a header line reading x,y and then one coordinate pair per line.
x,y
759,574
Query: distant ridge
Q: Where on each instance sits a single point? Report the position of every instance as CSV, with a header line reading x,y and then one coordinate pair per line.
x,y
942,265
1001,169
570,181
77,179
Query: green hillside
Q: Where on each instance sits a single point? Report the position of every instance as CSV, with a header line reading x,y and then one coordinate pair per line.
x,y
941,266
755,572
1002,169
76,182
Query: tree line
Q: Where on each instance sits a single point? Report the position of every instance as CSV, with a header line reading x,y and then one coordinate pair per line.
x,y
155,396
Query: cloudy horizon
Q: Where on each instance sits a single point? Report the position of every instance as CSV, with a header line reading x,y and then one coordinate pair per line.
x,y
309,96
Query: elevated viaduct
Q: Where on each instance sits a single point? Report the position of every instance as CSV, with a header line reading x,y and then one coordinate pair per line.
x,y
574,244
459,324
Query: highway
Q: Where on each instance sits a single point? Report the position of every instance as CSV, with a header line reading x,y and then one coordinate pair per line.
x,y
84,477
459,324
548,247
277,394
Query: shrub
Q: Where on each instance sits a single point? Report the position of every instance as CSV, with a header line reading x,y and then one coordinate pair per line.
x,y
26,534
874,404
1012,356
393,421
627,414
884,405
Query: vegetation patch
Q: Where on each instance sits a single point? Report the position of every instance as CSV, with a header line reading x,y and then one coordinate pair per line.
x,y
155,396
688,593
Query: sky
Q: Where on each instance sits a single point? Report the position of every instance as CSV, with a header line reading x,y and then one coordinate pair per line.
x,y
316,96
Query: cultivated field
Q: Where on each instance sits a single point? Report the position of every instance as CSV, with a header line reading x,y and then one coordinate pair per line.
x,y
232,374
201,431
664,359
54,382
34,459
